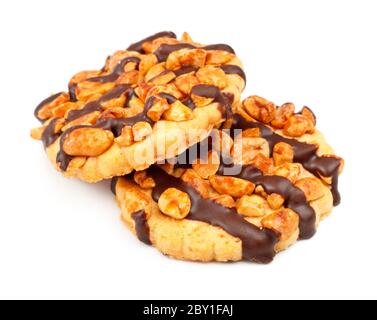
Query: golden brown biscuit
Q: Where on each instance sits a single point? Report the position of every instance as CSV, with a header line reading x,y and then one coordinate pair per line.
x,y
246,193
149,102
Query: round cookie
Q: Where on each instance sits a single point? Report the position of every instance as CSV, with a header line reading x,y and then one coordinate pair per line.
x,y
242,194
148,103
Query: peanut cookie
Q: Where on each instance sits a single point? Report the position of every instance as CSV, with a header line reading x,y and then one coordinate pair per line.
x,y
243,193
148,103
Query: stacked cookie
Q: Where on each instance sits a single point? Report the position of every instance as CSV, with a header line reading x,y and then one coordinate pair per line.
x,y
197,172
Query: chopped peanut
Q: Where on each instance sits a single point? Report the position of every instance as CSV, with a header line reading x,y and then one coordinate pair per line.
x,y
224,200
219,57
291,171
209,167
251,206
246,149
231,186
260,108
202,186
143,180
282,153
185,57
186,82
275,201
212,76
298,125
263,163
163,78
160,105
175,203
141,130
178,112
88,142
284,221
155,71
126,138
312,187
282,115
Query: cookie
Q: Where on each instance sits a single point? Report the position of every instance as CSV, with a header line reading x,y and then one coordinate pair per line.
x,y
148,103
242,194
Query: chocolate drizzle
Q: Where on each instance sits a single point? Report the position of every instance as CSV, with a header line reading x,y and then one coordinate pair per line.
x,y
233,69
43,103
138,46
119,69
49,136
96,105
220,47
89,108
72,92
169,98
257,244
163,52
141,226
304,153
113,185
63,159
189,103
185,70
213,92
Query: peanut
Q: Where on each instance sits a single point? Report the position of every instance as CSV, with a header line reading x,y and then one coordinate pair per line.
x,y
175,203
209,167
212,76
284,221
178,112
88,142
282,115
260,108
251,206
282,153
312,187
141,130
234,187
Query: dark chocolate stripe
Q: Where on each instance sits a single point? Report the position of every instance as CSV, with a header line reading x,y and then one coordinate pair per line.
x,y
141,226
88,108
119,69
220,47
63,159
179,72
163,52
113,185
233,69
304,153
72,92
212,92
169,98
49,136
189,103
114,93
43,103
96,105
138,46
257,244
185,70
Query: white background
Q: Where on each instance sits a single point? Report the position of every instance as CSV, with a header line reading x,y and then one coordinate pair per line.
x,y
64,239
